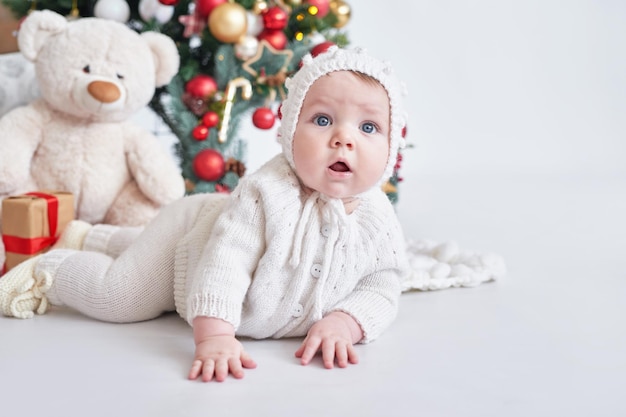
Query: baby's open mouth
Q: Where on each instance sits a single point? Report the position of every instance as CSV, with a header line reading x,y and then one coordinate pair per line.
x,y
339,167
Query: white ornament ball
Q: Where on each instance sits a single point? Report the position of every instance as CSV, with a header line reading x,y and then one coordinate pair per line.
x,y
117,10
255,24
149,9
246,48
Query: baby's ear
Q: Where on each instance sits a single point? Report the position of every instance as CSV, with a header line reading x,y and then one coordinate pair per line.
x,y
35,30
165,54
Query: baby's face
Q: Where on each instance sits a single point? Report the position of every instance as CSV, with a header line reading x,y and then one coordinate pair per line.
x,y
341,141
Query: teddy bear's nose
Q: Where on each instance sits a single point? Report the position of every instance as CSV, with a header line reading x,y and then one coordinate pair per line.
x,y
104,91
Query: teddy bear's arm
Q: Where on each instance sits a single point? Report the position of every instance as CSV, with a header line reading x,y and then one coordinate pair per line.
x,y
20,135
152,167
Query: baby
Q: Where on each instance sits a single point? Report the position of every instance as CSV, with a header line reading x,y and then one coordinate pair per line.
x,y
309,245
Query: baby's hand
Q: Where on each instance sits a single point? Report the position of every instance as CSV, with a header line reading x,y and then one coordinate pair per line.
x,y
335,335
217,356
218,352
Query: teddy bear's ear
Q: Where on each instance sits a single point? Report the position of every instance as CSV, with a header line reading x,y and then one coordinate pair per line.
x,y
166,58
36,29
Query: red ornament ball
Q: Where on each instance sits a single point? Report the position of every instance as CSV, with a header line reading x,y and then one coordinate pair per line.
x,y
201,86
323,6
276,38
275,18
210,119
321,48
168,2
205,7
208,165
200,132
263,118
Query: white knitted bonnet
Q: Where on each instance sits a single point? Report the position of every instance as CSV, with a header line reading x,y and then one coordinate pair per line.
x,y
336,59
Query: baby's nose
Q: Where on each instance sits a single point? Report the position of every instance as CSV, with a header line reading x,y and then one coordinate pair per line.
x,y
343,138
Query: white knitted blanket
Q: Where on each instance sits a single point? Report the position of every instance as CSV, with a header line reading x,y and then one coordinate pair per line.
x,y
437,266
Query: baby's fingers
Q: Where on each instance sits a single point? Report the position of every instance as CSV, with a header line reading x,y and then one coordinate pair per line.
x,y
236,365
345,353
328,355
208,369
205,368
353,358
221,369
247,361
307,350
196,368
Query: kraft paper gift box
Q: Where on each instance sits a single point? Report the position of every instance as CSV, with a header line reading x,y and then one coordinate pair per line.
x,y
32,222
8,26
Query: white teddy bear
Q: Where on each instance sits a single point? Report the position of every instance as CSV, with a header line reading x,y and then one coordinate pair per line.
x,y
93,75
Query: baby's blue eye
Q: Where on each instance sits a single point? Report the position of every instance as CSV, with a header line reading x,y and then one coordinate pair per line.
x,y
369,127
321,121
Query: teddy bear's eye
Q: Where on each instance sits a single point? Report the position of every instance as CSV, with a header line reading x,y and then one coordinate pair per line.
x,y
86,69
120,77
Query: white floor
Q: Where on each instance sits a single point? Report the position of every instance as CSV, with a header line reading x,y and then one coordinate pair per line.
x,y
550,340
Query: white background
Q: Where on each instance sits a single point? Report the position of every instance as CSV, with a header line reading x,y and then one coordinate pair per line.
x,y
534,86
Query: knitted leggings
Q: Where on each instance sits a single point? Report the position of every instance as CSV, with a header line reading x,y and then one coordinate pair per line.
x,y
123,274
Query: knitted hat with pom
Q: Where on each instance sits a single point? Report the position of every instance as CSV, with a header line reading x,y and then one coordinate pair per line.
x,y
336,59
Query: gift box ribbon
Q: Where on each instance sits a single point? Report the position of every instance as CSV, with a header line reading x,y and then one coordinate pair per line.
x,y
28,246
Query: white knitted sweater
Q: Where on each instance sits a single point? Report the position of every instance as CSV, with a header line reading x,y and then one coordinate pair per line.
x,y
289,258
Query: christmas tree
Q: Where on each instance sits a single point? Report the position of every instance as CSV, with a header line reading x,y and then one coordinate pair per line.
x,y
235,57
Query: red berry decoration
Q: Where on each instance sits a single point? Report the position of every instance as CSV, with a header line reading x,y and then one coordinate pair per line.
x,y
169,2
275,18
210,119
276,38
201,86
263,118
200,132
205,7
321,48
404,131
208,165
279,111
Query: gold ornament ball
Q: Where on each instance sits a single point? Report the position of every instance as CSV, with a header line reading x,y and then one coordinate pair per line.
x,y
259,7
228,22
341,9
